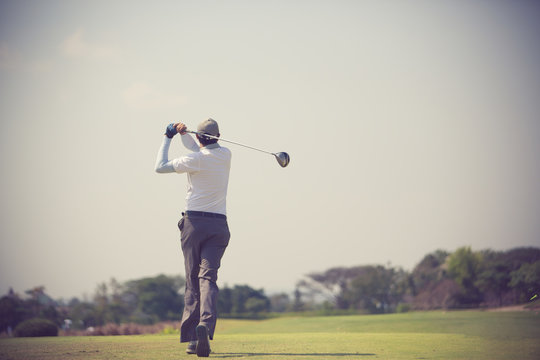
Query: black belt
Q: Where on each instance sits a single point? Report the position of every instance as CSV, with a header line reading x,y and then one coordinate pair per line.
x,y
205,214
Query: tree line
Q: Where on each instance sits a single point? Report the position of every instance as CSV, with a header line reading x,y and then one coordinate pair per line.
x,y
441,280
144,301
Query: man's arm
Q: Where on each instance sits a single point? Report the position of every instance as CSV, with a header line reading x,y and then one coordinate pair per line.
x,y
189,143
163,165
187,140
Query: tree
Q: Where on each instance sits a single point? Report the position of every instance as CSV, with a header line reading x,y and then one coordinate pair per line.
x,y
514,258
101,304
241,295
463,267
82,314
225,304
493,277
256,305
280,302
242,299
298,304
329,285
118,308
526,280
11,311
430,270
375,288
158,297
41,305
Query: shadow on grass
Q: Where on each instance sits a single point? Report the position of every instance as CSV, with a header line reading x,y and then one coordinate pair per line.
x,y
233,355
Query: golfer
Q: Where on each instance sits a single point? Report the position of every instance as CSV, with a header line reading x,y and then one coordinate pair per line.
x,y
203,227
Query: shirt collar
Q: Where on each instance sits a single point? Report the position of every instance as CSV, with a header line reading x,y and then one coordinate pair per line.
x,y
212,146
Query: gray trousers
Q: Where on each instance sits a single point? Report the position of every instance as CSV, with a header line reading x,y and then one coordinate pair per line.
x,y
204,240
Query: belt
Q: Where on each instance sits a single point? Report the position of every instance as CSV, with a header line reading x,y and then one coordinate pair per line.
x,y
205,214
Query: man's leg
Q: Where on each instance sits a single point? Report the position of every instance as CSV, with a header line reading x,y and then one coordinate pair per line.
x,y
190,316
211,253
191,251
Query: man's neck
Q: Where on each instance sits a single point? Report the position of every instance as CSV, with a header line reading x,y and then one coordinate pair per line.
x,y
210,146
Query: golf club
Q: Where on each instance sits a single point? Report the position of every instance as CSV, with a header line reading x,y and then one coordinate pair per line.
x,y
281,157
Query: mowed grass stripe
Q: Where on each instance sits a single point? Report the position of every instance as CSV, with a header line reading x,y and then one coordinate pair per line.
x,y
92,347
277,346
481,323
349,346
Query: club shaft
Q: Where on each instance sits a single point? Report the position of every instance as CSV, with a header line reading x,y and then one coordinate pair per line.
x,y
229,141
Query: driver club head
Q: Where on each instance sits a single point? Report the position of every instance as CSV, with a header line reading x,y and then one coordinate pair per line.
x,y
282,158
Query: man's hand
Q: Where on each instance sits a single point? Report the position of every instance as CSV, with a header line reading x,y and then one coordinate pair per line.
x,y
181,128
171,131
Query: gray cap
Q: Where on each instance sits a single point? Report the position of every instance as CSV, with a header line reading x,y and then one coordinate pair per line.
x,y
209,126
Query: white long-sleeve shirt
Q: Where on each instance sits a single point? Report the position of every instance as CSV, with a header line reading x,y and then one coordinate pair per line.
x,y
207,170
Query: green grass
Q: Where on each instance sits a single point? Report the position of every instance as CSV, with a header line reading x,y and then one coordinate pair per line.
x,y
422,335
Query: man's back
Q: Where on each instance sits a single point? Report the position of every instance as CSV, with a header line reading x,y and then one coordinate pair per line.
x,y
208,178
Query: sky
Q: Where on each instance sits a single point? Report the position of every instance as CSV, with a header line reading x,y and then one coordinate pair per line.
x,y
412,126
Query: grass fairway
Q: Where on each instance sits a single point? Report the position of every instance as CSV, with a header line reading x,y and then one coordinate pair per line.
x,y
423,335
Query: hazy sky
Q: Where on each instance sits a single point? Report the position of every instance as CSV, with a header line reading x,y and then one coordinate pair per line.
x,y
412,126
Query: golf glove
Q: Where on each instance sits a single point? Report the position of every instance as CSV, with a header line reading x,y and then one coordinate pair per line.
x,y
171,131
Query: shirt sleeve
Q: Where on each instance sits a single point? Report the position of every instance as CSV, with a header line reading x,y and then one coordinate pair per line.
x,y
163,165
187,164
190,143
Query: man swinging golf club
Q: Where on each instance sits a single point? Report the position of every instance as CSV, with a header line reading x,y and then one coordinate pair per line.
x,y
203,226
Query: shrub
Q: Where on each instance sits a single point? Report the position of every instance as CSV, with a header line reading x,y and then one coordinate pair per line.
x,y
111,329
169,330
36,327
403,308
130,329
